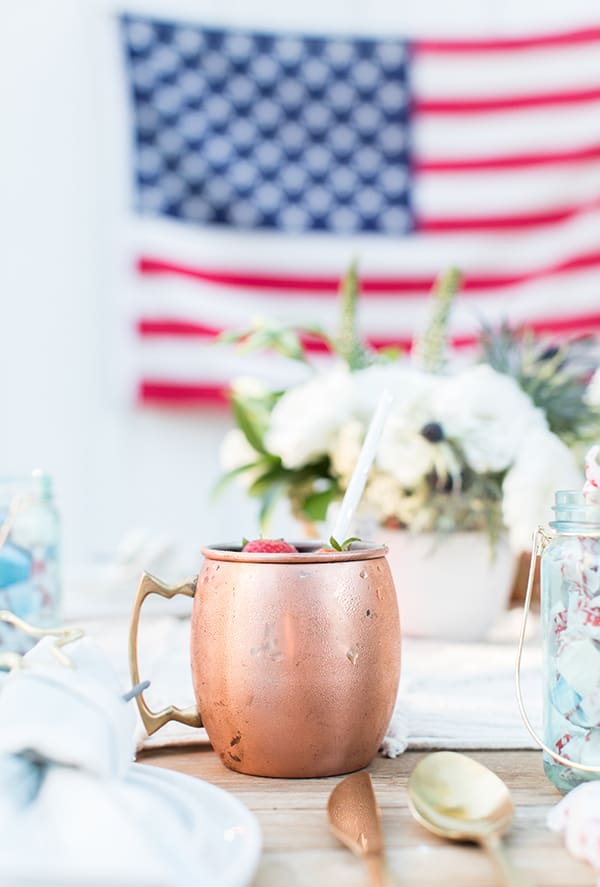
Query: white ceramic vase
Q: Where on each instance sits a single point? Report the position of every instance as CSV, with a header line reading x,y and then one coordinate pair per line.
x,y
449,587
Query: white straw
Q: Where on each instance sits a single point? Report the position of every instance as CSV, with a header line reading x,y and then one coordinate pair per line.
x,y
362,467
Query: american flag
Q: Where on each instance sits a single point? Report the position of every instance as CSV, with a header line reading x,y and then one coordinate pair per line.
x,y
262,163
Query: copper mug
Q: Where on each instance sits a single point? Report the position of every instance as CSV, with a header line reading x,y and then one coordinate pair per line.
x,y
295,657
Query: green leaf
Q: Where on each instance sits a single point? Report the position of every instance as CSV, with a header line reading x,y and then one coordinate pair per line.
x,y
317,332
259,340
390,353
267,337
228,337
345,544
348,542
226,479
275,474
429,351
315,505
268,503
288,343
348,345
248,422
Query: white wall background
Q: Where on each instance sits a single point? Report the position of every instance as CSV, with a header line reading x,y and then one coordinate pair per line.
x,y
117,468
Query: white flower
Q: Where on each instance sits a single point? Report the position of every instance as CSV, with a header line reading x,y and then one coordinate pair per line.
x,y
592,394
544,465
404,453
248,386
411,388
306,418
235,451
345,448
384,496
488,415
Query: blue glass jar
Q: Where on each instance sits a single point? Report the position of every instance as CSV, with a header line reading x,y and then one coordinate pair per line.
x,y
570,610
29,557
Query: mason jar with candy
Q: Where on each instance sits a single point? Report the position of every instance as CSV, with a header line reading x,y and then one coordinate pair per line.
x,y
570,611
29,566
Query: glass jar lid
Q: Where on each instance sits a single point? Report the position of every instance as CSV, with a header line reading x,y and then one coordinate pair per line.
x,y
570,506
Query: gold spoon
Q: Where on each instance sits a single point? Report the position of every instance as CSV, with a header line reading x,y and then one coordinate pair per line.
x,y
355,819
456,797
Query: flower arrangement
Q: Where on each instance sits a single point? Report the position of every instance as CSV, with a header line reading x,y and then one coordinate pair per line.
x,y
468,446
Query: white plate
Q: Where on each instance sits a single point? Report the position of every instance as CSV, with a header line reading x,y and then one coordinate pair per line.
x,y
233,840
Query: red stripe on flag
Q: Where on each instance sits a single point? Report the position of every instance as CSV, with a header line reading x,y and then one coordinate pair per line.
x,y
370,285
505,103
502,223
170,326
501,44
151,327
154,392
148,265
516,161
579,323
560,326
165,327
181,394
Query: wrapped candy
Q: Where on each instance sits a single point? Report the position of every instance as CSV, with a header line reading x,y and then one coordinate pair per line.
x,y
580,568
591,487
579,664
569,703
559,620
578,816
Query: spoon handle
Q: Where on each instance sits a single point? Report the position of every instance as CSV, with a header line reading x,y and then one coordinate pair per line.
x,y
379,873
497,850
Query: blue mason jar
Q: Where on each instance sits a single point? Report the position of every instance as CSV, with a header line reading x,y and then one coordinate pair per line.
x,y
29,557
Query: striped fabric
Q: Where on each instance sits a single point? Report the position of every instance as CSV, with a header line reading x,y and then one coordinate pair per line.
x,y
262,163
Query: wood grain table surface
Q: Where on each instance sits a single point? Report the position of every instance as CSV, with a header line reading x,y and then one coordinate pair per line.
x,y
299,851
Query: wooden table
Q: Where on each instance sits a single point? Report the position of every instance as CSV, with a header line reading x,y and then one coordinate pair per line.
x,y
300,852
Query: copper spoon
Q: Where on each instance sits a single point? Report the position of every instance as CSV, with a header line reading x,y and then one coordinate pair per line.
x,y
355,819
458,798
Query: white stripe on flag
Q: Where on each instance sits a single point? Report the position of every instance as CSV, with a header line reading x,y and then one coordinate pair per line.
x,y
525,72
313,256
505,191
223,307
175,360
501,133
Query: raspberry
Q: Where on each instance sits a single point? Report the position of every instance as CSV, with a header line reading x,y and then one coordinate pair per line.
x,y
269,546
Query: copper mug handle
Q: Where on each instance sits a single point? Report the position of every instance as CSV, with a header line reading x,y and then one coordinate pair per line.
x,y
152,720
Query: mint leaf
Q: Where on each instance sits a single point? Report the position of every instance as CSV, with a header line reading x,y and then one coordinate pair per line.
x,y
345,544
348,542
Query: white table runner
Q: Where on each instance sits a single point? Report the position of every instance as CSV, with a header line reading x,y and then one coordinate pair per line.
x,y
455,696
